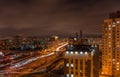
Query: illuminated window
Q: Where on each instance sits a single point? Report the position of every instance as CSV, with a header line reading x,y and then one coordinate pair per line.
x,y
67,75
67,52
109,25
75,39
109,45
72,65
113,25
86,53
109,28
118,22
113,60
118,45
117,69
80,70
109,37
81,52
95,45
102,72
109,42
71,52
72,75
109,34
117,62
76,52
67,65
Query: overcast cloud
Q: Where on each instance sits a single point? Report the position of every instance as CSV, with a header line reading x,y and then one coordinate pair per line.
x,y
60,17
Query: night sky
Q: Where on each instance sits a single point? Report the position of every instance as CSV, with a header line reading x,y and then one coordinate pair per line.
x,y
59,17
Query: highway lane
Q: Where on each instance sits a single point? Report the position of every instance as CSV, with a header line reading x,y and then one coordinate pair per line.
x,y
6,65
58,48
47,67
24,62
55,59
49,62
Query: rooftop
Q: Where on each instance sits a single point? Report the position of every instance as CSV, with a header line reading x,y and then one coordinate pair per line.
x,y
79,47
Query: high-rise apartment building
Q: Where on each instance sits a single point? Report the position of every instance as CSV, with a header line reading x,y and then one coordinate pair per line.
x,y
111,46
78,60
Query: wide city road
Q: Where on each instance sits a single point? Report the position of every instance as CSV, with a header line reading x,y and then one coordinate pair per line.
x,y
33,64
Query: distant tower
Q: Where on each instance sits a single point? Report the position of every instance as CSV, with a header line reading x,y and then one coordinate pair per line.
x,y
77,35
81,34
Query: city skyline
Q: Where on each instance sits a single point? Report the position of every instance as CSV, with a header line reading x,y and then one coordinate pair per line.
x,y
44,17
32,42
